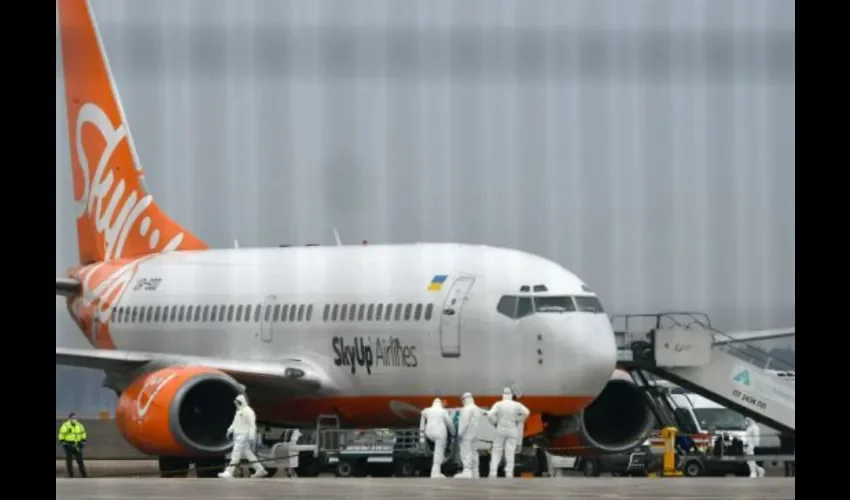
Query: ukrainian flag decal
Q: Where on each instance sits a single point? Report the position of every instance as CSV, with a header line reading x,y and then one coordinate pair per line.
x,y
436,283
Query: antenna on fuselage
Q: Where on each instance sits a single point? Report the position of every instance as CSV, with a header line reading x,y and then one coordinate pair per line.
x,y
336,235
235,243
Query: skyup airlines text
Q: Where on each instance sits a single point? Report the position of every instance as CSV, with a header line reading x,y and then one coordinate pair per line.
x,y
371,352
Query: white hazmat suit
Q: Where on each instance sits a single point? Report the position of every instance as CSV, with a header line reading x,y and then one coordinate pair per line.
x,y
751,440
436,425
244,431
467,431
508,416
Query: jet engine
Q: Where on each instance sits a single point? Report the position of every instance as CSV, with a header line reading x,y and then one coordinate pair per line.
x,y
617,420
178,411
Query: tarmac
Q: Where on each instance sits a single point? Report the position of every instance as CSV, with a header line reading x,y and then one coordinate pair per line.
x,y
377,489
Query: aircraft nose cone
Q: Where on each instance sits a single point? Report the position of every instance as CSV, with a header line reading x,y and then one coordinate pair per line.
x,y
591,355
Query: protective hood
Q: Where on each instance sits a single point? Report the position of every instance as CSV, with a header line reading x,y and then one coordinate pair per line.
x,y
467,399
507,394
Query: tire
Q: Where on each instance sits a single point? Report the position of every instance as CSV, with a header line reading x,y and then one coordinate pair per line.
x,y
692,469
345,469
405,469
591,468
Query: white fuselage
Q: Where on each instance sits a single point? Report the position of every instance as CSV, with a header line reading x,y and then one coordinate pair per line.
x,y
475,349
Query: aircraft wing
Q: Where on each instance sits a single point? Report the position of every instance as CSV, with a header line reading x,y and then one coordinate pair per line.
x,y
291,377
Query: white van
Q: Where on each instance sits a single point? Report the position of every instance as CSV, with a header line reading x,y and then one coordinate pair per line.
x,y
709,417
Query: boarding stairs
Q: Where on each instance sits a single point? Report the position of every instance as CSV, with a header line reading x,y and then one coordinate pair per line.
x,y
686,350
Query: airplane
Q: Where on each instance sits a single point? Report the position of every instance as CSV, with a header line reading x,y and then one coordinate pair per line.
x,y
369,333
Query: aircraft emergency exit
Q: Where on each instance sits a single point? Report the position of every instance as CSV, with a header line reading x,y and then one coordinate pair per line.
x,y
370,333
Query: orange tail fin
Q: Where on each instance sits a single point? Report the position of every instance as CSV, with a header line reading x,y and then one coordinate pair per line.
x,y
116,217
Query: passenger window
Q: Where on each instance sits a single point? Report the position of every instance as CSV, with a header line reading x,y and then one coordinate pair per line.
x,y
342,310
379,309
327,312
284,312
120,314
407,310
172,313
239,312
293,309
156,313
309,312
258,309
189,310
417,315
388,312
352,312
334,312
369,312
247,316
524,307
149,313
398,312
301,310
361,312
507,306
222,313
276,313
214,312
268,314
182,313
197,314
206,315
230,311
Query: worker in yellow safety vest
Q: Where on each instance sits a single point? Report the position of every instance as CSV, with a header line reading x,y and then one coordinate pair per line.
x,y
72,437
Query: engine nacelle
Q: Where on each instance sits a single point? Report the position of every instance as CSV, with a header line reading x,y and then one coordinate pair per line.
x,y
178,411
617,420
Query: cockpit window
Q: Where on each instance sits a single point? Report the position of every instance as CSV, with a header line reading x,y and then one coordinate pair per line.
x,y
589,304
554,304
524,307
507,306
516,307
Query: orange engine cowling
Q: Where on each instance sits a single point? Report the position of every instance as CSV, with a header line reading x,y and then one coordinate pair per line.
x,y
178,411
618,420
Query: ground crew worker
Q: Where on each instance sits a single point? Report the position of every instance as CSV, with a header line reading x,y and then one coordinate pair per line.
x,y
72,437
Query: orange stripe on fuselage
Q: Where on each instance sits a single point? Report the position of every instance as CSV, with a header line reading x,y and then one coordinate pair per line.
x,y
395,411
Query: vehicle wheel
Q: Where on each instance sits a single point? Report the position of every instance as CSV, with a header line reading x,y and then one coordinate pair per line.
x,y
693,469
171,467
591,468
345,469
405,469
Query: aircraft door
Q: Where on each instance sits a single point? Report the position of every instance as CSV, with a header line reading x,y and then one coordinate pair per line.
x,y
267,319
450,318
